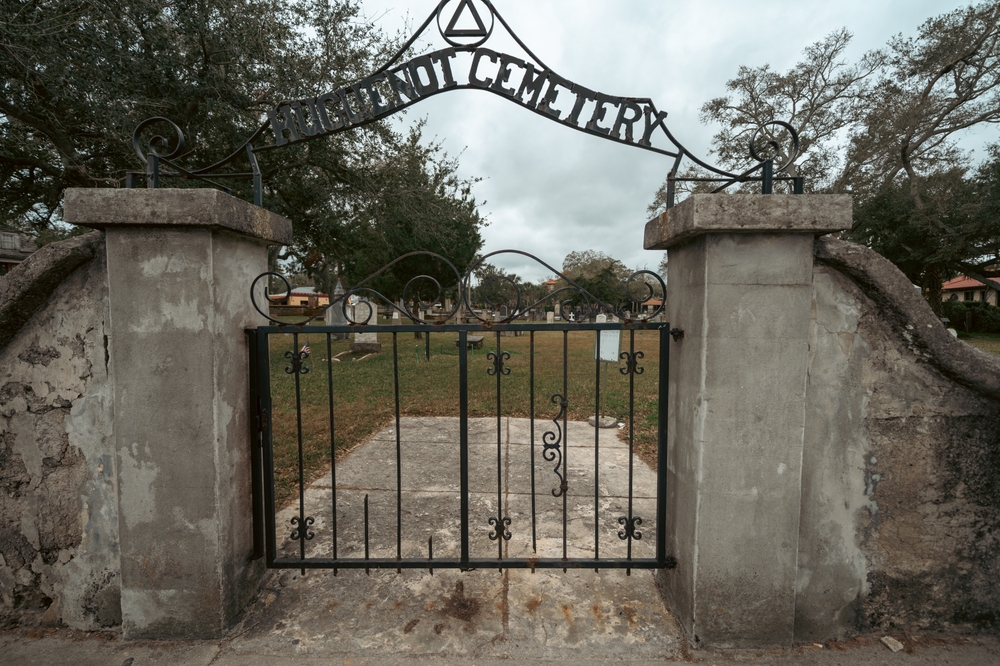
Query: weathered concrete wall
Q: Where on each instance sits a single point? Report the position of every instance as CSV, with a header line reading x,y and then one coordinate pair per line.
x,y
883,498
180,266
58,503
901,480
741,272
124,444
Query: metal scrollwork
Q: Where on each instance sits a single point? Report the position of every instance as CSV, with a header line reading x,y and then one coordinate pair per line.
x,y
409,77
302,531
639,288
631,366
629,526
298,366
500,528
774,147
158,145
552,445
497,361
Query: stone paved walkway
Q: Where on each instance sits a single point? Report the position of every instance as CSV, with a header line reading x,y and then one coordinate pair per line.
x,y
484,613
478,617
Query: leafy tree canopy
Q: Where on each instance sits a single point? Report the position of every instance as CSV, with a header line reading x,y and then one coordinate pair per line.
x,y
884,128
590,263
79,75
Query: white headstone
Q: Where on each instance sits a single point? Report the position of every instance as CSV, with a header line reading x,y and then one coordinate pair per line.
x,y
334,315
365,313
366,310
609,345
550,317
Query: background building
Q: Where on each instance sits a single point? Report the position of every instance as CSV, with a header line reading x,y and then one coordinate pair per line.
x,y
14,248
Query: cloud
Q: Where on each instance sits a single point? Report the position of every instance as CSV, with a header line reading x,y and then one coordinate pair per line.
x,y
550,190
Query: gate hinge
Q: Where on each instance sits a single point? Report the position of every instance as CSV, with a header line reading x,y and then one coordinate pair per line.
x,y
261,418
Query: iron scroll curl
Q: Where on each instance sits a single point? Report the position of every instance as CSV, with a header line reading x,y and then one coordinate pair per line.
x,y
465,63
639,288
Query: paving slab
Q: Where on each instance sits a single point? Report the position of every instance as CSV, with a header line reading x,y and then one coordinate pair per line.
x,y
477,617
476,614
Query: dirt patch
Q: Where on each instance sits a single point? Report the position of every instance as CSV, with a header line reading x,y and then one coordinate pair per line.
x,y
460,606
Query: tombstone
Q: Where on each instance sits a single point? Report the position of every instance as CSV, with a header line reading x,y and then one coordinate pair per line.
x,y
362,310
448,305
550,317
335,313
366,343
395,317
503,311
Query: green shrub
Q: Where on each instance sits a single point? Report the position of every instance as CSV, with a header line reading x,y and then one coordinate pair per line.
x,y
985,318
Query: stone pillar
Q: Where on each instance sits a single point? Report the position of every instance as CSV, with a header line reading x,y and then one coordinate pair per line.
x,y
180,264
741,270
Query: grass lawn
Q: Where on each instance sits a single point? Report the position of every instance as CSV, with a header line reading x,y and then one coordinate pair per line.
x,y
364,400
986,341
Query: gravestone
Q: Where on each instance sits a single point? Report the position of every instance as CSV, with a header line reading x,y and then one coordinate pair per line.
x,y
550,317
335,313
366,343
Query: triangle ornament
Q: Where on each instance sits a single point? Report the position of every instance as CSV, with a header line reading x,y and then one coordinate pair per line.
x,y
454,31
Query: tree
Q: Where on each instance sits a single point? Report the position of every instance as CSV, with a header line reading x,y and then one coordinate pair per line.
x,y
591,263
884,129
79,75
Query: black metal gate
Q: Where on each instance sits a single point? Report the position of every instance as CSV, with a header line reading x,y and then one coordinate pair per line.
x,y
360,541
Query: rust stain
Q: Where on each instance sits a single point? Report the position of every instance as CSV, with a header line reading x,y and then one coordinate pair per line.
x,y
533,605
460,606
397,604
569,614
630,614
598,616
410,625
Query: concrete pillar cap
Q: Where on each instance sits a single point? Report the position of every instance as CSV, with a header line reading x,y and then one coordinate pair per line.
x,y
103,208
701,214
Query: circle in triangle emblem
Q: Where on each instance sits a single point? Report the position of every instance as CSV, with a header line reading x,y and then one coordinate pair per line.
x,y
465,23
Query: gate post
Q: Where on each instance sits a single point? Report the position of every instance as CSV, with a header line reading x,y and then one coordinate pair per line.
x,y
180,264
740,287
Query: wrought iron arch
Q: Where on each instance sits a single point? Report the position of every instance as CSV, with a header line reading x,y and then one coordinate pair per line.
x,y
465,63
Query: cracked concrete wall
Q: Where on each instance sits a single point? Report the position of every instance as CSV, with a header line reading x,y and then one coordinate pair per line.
x,y
58,508
900,517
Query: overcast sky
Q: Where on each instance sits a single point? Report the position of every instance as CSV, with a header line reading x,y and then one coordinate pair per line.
x,y
549,190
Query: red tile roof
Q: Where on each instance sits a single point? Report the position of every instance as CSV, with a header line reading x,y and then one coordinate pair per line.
x,y
964,283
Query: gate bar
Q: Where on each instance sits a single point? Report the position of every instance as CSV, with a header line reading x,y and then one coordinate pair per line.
x,y
463,436
597,447
264,368
661,446
333,446
477,563
256,463
399,454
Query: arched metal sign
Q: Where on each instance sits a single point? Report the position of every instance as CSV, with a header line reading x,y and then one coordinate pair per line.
x,y
466,26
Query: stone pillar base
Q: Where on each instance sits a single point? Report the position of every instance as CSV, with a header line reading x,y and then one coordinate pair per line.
x,y
180,265
740,287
